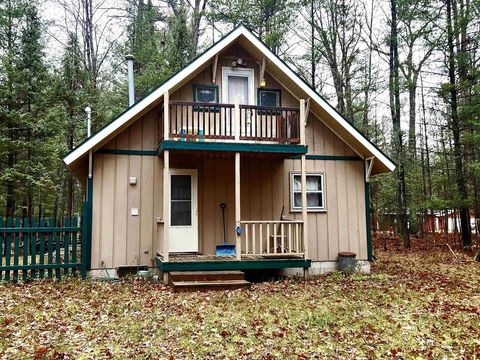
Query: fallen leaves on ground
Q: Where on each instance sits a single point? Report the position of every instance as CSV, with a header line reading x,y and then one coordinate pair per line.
x,y
420,304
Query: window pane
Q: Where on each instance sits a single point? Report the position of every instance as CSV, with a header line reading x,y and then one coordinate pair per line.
x,y
297,182
181,187
269,98
238,88
297,200
314,200
204,94
314,183
181,213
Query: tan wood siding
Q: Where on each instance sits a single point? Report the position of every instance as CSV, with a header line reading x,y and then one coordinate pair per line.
x,y
118,238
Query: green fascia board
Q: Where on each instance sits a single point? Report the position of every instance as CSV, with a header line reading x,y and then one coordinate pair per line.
x,y
232,265
330,157
234,147
128,152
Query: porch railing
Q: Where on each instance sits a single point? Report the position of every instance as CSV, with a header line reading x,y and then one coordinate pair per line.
x,y
272,238
197,121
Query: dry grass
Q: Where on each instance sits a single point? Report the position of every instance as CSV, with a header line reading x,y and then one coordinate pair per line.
x,y
414,305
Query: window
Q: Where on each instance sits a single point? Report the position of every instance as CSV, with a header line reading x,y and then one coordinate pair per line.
x,y
269,97
205,94
181,200
315,192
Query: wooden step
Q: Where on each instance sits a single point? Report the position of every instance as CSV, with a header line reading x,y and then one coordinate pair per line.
x,y
206,275
209,285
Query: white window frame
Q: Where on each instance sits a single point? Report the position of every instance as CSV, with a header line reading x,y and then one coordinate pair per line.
x,y
322,191
245,72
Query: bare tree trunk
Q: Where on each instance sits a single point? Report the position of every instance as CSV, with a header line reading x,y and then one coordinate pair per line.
x,y
88,42
427,153
312,39
394,85
455,125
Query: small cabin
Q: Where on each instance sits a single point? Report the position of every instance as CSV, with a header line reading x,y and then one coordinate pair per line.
x,y
234,152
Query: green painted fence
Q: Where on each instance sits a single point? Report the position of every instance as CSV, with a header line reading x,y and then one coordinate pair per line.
x,y
38,249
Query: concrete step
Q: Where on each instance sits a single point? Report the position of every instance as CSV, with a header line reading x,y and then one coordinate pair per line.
x,y
209,285
206,275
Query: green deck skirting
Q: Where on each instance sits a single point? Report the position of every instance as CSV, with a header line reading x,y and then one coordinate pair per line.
x,y
232,265
234,147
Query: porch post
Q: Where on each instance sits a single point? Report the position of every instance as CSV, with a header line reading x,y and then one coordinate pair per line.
x,y
166,181
304,183
238,238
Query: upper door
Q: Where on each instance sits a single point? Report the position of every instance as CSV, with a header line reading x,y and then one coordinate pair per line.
x,y
237,83
183,210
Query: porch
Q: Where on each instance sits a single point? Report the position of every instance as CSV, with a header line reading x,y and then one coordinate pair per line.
x,y
221,142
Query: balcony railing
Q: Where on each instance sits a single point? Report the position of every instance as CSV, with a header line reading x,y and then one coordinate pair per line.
x,y
272,238
196,121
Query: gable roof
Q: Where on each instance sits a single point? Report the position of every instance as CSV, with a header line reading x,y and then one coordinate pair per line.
x,y
329,115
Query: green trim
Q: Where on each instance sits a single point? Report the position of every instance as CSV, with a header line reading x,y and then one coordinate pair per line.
x,y
234,147
330,157
127,152
264,264
367,219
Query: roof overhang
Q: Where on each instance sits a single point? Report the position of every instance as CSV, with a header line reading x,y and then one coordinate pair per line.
x,y
276,67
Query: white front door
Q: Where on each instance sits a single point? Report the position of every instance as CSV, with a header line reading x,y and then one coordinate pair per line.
x,y
183,211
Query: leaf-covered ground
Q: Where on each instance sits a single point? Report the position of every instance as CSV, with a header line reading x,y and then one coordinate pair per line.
x,y
413,305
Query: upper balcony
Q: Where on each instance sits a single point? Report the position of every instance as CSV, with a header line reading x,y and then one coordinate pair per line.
x,y
198,122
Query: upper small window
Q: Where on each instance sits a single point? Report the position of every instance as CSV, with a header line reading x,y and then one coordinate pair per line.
x,y
269,97
315,192
205,94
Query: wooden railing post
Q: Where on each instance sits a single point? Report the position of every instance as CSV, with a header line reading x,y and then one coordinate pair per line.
x,y
238,242
237,119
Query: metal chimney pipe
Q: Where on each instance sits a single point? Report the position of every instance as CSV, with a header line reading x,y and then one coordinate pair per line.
x,y
131,85
88,110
